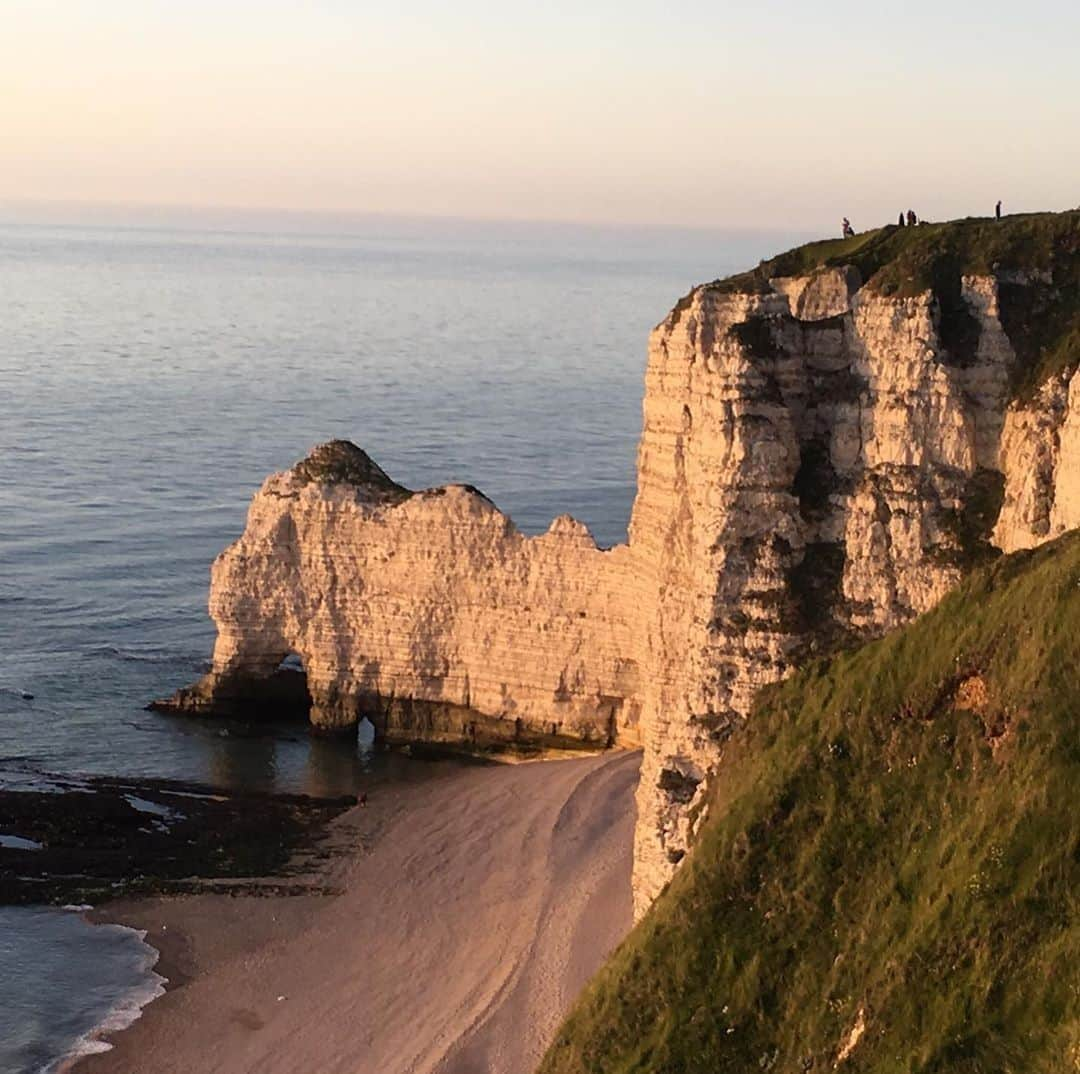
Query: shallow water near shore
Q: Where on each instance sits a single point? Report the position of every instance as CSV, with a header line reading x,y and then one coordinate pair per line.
x,y
62,981
150,380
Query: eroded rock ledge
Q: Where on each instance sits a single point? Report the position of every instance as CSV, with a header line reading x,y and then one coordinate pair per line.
x,y
828,443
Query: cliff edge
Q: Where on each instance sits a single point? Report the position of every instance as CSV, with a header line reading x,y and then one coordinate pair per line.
x,y
830,442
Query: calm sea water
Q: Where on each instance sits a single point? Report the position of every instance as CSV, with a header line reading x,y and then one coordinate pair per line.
x,y
150,380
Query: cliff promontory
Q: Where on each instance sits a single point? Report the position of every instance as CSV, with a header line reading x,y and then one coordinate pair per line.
x,y
830,442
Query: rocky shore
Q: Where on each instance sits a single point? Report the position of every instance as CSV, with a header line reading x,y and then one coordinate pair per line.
x,y
98,839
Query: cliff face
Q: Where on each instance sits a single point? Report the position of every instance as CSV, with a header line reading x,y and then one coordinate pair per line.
x,y
1040,457
817,465
821,460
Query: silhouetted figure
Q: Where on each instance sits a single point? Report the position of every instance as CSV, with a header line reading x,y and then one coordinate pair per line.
x,y
912,219
849,231
900,222
997,210
362,800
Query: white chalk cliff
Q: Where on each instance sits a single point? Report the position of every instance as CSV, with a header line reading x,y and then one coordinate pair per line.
x,y
426,612
820,461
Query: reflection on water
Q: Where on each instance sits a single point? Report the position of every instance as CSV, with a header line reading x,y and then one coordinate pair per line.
x,y
332,764
242,760
270,757
285,757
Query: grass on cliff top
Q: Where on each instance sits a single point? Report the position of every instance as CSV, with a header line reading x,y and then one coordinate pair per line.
x,y
902,260
894,841
1042,322
341,462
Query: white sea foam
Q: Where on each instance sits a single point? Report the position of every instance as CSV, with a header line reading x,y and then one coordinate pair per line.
x,y
18,692
201,797
122,1014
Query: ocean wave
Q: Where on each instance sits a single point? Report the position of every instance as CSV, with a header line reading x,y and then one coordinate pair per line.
x,y
122,1014
128,654
10,841
27,773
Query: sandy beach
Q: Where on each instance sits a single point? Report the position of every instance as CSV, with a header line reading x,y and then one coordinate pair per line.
x,y
470,911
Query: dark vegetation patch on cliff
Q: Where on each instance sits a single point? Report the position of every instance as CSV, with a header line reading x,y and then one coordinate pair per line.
x,y
818,606
971,525
816,479
1035,256
892,841
758,338
1043,326
839,386
341,462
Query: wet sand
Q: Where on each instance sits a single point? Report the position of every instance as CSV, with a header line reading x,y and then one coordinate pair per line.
x,y
472,909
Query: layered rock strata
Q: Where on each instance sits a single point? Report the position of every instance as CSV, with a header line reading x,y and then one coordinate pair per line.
x,y
821,460
807,480
426,612
1040,458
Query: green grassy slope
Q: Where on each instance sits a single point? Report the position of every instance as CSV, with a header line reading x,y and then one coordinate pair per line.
x,y
896,832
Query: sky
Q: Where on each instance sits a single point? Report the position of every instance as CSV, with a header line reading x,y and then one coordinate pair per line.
x,y
697,114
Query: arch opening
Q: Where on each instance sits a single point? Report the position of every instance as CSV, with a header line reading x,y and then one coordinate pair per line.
x,y
365,736
283,694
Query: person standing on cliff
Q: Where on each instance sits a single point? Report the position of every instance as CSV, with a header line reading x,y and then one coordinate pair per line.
x,y
912,219
848,230
997,210
900,222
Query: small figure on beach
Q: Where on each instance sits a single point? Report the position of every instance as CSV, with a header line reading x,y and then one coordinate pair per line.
x,y
362,800
912,219
997,210
900,221
849,231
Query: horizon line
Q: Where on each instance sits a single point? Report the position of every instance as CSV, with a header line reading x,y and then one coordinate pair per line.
x,y
26,206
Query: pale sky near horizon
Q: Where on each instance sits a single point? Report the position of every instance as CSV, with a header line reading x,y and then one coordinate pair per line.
x,y
704,113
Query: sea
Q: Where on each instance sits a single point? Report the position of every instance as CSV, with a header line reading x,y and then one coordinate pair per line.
x,y
152,375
